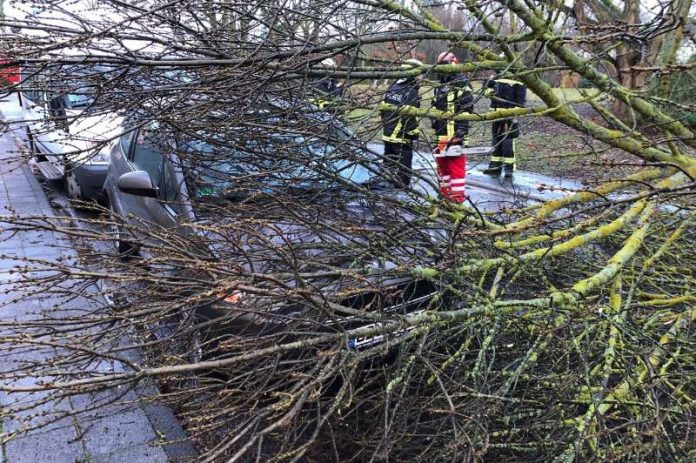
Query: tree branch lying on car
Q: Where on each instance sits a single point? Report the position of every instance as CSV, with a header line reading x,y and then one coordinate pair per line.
x,y
291,301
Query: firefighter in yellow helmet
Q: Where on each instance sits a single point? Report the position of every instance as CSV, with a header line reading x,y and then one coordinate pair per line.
x,y
504,93
326,91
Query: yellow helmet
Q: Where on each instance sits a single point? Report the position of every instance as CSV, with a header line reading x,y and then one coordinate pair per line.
x,y
329,63
411,63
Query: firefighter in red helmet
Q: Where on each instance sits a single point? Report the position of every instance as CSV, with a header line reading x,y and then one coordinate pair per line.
x,y
453,95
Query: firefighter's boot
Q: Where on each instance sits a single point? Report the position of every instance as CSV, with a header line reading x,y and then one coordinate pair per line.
x,y
494,168
457,197
508,170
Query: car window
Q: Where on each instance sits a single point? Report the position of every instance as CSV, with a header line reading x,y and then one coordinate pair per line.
x,y
256,165
147,156
38,97
126,141
169,186
79,100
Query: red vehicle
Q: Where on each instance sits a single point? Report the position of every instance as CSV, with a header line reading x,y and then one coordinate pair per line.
x,y
9,73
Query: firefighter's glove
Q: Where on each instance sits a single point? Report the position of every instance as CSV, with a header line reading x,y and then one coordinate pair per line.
x,y
413,134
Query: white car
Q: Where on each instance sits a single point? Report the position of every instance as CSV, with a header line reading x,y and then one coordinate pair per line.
x,y
67,135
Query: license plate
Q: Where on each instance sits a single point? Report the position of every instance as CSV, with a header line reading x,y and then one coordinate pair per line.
x,y
368,341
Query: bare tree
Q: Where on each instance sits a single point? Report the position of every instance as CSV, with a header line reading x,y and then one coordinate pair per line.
x,y
293,313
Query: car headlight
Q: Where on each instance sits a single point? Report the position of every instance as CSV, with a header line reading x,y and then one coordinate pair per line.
x,y
98,157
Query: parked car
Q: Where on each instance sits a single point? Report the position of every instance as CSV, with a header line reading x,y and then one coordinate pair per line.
x,y
68,135
154,184
9,74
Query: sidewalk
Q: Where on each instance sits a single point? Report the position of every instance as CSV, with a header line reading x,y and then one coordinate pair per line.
x,y
109,426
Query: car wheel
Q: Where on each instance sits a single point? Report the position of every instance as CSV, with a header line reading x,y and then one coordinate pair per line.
x,y
72,186
124,248
171,343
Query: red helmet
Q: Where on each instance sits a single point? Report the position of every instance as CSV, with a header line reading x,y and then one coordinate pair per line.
x,y
447,57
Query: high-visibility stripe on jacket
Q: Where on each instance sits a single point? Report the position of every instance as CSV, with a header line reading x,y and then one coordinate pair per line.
x,y
451,108
319,103
325,92
400,128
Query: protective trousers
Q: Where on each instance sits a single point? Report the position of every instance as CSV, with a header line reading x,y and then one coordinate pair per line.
x,y
398,158
503,145
451,169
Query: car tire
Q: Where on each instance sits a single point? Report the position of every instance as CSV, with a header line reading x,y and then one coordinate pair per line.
x,y
72,186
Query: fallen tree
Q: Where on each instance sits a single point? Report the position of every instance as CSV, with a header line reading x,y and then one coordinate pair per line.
x,y
559,331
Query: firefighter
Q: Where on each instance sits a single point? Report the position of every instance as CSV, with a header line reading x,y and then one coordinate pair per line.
x,y
399,131
326,90
504,93
453,95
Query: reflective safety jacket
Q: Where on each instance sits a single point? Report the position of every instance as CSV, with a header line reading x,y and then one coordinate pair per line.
x,y
325,92
454,95
506,93
400,128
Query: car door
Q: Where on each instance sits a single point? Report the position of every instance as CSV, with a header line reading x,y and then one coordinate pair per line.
x,y
146,155
119,164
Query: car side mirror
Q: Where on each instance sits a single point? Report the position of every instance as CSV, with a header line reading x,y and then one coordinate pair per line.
x,y
137,183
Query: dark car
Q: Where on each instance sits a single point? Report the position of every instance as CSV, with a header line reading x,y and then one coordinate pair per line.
x,y
181,184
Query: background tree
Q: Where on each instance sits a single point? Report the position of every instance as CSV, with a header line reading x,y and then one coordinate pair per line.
x,y
633,35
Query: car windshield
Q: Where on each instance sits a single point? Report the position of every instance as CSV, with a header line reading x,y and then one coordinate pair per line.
x,y
81,84
277,162
80,99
